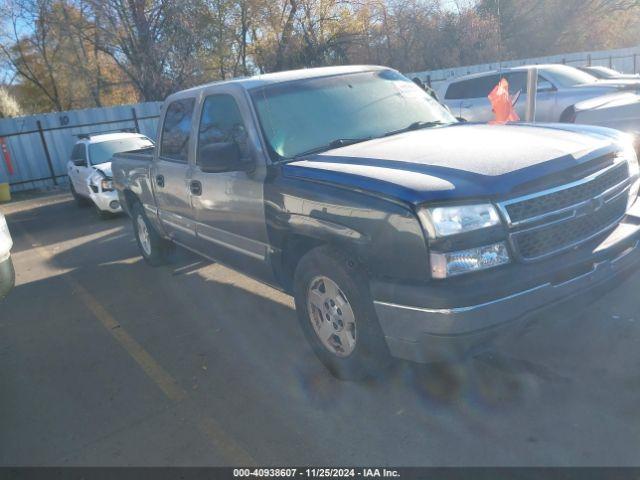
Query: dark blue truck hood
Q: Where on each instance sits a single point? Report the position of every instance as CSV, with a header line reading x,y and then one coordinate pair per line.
x,y
458,161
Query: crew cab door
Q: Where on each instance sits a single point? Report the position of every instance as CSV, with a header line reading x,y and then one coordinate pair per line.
x,y
170,172
227,197
79,170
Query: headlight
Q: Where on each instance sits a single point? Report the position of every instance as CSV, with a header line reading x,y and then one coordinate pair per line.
x,y
444,265
445,221
106,184
628,152
5,239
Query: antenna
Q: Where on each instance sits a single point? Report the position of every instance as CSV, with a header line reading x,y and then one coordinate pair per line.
x,y
499,40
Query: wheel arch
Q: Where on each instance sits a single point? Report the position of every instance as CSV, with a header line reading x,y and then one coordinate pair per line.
x,y
307,233
129,199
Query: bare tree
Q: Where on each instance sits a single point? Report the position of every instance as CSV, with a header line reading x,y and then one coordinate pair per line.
x,y
32,56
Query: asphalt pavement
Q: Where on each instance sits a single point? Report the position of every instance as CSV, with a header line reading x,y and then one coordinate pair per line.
x,y
108,361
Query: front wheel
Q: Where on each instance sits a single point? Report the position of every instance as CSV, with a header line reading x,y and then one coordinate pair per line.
x,y
102,214
336,314
153,247
80,200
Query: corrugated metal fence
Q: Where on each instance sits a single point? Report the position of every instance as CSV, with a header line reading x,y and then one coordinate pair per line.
x,y
40,145
626,60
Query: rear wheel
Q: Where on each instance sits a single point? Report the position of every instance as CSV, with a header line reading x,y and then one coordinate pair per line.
x,y
153,247
336,314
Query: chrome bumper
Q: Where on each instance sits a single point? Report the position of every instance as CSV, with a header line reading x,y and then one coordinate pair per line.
x,y
423,334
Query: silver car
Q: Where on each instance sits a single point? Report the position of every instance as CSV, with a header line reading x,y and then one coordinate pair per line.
x,y
559,88
604,73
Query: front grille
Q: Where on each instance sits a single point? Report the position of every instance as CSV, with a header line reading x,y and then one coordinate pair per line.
x,y
552,221
540,242
558,200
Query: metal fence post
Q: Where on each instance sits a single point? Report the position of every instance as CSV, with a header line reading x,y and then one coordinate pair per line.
x,y
589,60
135,119
635,57
532,92
46,153
610,61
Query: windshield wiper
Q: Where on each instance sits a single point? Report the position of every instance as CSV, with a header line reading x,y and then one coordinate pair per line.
x,y
338,142
415,126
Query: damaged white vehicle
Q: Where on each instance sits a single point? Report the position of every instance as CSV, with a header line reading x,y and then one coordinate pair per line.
x,y
89,168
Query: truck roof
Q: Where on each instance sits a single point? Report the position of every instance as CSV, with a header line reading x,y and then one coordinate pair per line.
x,y
286,76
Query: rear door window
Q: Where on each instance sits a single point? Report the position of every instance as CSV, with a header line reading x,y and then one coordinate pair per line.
x,y
176,130
517,82
472,88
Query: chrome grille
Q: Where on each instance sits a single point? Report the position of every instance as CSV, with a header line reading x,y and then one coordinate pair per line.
x,y
564,198
560,218
551,238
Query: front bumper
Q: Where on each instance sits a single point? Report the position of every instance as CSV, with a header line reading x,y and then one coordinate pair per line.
x,y
106,201
416,332
7,277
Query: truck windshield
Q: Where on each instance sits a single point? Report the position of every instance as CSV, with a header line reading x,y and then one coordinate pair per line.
x,y
310,115
103,151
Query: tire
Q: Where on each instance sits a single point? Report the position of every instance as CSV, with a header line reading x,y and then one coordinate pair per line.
x,y
80,200
348,353
153,247
103,215
568,115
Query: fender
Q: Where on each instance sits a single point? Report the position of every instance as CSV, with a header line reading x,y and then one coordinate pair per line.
x,y
322,230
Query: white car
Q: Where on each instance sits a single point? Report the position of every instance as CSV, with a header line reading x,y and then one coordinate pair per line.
x,y
7,274
89,168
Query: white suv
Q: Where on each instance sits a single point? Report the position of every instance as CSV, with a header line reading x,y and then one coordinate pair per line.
x,y
7,274
89,168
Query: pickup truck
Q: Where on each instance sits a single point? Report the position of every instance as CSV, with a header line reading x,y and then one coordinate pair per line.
x,y
399,231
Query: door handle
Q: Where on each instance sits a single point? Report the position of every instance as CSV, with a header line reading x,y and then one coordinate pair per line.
x,y
160,180
196,187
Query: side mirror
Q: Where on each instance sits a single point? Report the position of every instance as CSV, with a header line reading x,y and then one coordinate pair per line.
x,y
545,88
222,157
79,162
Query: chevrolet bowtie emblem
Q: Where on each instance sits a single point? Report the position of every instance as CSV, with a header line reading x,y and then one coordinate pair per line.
x,y
595,204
